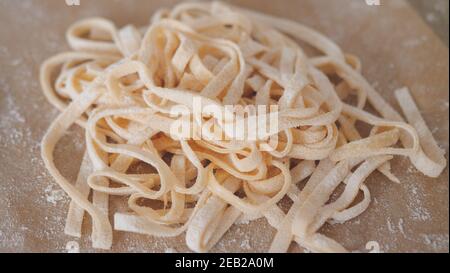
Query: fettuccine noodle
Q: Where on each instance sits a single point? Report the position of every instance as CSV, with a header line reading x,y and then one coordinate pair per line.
x,y
121,84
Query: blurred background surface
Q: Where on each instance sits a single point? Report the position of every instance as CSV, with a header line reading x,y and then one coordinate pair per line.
x,y
435,13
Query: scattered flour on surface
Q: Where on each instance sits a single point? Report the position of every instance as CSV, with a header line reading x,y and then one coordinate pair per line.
x,y
16,62
390,226
53,196
245,244
431,17
416,208
438,242
415,42
400,227
411,169
420,214
396,227
14,130
13,111
375,201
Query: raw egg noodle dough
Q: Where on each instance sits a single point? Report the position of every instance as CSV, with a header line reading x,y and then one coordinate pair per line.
x,y
120,85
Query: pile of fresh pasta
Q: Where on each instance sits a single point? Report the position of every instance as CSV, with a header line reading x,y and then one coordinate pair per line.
x,y
119,84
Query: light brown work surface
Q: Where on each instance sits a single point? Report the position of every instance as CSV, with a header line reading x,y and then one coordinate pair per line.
x,y
396,49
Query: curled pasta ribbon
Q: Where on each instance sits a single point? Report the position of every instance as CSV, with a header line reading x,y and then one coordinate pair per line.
x,y
430,155
130,87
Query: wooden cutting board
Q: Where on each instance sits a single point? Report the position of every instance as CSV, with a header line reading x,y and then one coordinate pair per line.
x,y
396,48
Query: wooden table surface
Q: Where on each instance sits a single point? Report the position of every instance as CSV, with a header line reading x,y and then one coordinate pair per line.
x,y
396,48
436,14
